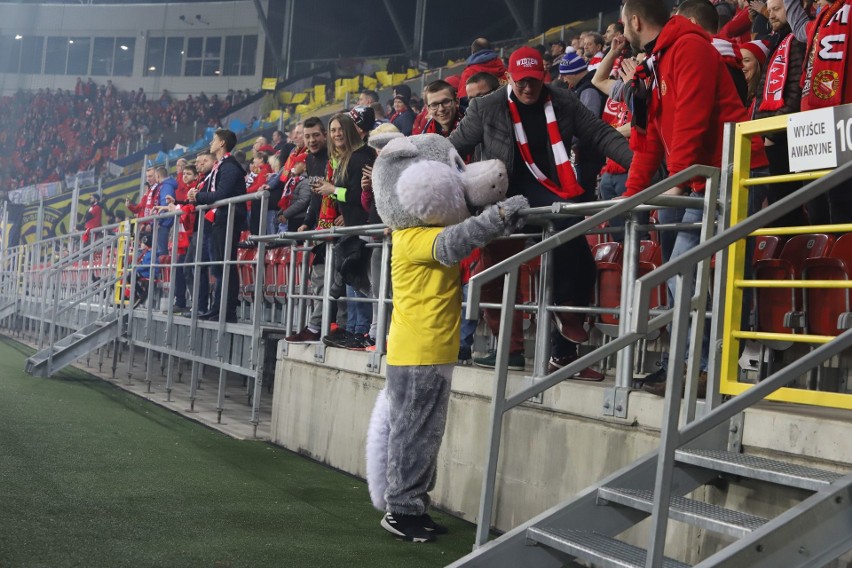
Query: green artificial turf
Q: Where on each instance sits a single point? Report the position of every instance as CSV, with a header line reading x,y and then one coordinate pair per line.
x,y
93,476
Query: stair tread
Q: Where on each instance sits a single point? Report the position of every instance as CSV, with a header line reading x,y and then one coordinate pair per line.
x,y
596,547
761,468
718,518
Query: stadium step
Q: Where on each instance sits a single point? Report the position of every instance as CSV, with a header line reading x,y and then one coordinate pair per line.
x,y
8,309
587,527
596,548
697,513
75,345
760,468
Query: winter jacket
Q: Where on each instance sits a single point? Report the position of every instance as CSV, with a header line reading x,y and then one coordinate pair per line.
x,y
487,122
689,103
299,200
349,201
229,182
167,187
404,121
483,61
316,165
738,29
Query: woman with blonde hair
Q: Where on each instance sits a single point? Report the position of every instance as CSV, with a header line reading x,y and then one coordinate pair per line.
x,y
347,158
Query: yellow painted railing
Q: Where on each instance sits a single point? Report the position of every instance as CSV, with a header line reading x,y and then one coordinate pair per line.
x,y
736,281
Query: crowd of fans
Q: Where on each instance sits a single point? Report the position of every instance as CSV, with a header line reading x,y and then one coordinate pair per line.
x,y
646,97
47,134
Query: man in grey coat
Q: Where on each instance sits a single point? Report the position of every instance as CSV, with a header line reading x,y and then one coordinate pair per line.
x,y
511,124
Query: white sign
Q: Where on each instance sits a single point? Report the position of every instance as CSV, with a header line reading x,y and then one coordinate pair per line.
x,y
812,143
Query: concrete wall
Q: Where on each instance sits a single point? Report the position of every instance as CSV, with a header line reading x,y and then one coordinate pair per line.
x,y
550,451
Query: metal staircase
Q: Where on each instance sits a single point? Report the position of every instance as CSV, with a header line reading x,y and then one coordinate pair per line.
x,y
78,344
9,309
692,453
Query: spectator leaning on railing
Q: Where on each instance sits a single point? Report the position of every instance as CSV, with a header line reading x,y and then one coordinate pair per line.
x,y
226,181
529,126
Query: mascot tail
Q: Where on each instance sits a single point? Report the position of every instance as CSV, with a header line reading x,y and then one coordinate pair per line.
x,y
377,451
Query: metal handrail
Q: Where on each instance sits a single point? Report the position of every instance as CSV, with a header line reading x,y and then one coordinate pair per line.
x,y
509,270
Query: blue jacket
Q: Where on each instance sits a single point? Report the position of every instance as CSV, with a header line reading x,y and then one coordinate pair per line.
x,y
167,187
143,269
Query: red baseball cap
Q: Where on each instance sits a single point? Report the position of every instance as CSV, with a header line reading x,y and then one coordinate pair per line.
x,y
526,63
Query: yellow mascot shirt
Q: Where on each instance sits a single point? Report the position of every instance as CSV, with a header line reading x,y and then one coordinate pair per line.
x,y
426,321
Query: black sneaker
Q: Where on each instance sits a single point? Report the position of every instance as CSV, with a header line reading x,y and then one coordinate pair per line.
x,y
338,338
464,355
516,361
355,342
658,376
433,527
410,528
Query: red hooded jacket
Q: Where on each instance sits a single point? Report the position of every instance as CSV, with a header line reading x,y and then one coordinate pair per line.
x,y
493,66
691,99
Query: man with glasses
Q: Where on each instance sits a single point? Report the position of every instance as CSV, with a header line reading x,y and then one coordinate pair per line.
x,y
443,104
516,125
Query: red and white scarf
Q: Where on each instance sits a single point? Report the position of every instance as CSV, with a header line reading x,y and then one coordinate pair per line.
x,y
732,57
568,187
210,215
776,76
827,63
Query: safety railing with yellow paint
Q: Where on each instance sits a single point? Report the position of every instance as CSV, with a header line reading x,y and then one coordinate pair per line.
x,y
736,282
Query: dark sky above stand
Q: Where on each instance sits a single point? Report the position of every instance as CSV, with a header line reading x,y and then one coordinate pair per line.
x,y
344,28
350,28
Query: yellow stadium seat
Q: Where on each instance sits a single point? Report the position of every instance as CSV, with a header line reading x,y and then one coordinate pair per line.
x,y
319,95
370,83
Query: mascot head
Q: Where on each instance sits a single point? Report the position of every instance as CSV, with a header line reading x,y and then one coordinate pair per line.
x,y
422,181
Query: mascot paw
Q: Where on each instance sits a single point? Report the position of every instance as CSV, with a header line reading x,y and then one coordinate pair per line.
x,y
510,209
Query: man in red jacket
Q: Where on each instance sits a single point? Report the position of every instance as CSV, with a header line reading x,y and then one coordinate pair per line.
x,y
690,98
482,59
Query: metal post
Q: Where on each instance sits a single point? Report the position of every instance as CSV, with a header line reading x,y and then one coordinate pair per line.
x,y
498,405
287,48
624,365
75,204
382,314
669,437
419,29
223,308
543,316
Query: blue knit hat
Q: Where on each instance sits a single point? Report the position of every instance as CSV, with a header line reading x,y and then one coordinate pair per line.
x,y
572,64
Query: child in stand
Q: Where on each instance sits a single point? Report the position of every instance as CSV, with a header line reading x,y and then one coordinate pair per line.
x,y
297,174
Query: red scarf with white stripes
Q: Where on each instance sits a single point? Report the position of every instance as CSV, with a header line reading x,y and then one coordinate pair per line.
x,y
776,76
568,186
826,78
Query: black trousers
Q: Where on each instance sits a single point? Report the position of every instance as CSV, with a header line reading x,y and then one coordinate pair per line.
x,y
221,248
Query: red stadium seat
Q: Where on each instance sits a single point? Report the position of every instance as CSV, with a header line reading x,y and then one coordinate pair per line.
x,y
779,310
607,252
828,311
245,269
766,247
282,271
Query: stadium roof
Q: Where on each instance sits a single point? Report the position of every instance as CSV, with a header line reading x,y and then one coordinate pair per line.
x,y
353,32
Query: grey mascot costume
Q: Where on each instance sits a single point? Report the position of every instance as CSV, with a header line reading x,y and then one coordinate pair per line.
x,y
424,192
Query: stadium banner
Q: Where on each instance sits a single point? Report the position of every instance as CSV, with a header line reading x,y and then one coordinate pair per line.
x,y
57,209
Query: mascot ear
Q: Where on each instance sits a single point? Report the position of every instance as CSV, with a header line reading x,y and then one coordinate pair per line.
x,y
432,192
399,148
